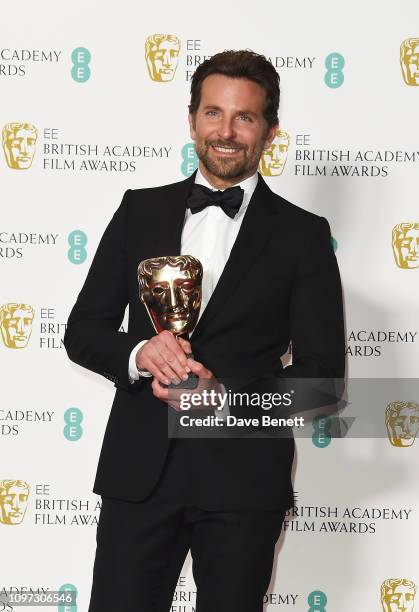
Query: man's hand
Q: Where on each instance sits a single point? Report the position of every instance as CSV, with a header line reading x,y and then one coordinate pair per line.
x,y
165,358
207,382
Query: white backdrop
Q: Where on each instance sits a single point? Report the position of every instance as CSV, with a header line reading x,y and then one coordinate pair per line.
x,y
359,136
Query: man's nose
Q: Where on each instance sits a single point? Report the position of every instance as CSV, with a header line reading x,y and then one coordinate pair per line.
x,y
166,59
226,129
20,326
414,247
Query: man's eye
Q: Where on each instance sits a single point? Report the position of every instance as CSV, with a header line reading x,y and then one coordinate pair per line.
x,y
211,113
244,118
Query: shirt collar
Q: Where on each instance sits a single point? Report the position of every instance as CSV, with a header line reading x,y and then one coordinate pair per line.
x,y
248,186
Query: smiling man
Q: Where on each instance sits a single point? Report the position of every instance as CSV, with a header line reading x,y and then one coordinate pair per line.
x,y
222,498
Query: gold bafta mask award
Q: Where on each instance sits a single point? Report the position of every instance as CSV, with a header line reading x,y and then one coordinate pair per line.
x,y
171,289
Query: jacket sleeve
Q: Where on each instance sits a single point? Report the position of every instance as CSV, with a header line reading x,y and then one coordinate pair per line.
x,y
316,328
92,337
316,311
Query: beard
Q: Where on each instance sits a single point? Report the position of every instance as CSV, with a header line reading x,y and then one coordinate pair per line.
x,y
228,168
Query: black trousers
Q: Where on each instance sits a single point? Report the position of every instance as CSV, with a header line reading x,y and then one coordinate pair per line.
x,y
141,548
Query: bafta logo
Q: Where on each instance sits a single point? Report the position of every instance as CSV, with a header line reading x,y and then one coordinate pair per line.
x,y
273,160
402,422
409,60
16,324
406,245
13,501
19,140
398,594
161,55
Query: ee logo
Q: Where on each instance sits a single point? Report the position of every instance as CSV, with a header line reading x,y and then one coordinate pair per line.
x,y
334,76
190,159
80,70
73,431
321,435
317,601
77,240
67,591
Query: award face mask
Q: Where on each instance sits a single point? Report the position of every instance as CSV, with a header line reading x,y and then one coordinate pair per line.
x,y
170,289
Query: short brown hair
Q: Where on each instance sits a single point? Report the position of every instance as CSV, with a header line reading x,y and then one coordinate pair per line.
x,y
244,64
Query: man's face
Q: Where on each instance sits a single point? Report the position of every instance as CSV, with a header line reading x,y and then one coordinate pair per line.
x,y
274,158
408,248
229,129
173,298
162,60
19,148
403,427
402,598
13,504
16,328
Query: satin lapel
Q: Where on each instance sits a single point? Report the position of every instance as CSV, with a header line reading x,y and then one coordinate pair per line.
x,y
170,232
254,232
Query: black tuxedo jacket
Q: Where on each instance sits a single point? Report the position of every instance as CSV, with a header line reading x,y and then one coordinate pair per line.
x,y
280,283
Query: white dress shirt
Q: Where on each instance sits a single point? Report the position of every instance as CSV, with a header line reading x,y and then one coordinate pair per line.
x,y
208,235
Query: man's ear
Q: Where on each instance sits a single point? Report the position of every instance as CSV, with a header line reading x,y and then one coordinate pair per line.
x,y
191,119
271,133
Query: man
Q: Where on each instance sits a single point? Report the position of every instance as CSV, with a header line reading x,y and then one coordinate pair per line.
x,y
269,276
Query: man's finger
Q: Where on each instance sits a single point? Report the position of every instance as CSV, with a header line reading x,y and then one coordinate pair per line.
x,y
199,369
186,346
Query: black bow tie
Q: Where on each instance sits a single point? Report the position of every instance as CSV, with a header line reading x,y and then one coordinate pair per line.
x,y
229,200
